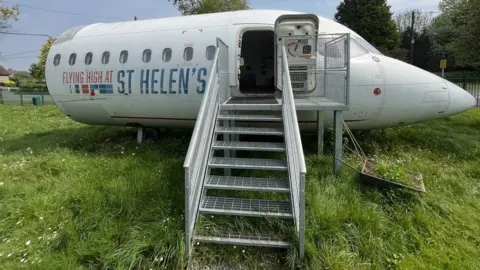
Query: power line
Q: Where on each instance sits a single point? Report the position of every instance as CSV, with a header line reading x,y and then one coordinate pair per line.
x,y
20,53
18,57
64,12
25,34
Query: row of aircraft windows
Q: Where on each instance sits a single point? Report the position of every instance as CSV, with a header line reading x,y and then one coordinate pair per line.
x,y
146,57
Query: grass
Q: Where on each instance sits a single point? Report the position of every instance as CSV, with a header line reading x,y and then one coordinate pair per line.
x,y
80,197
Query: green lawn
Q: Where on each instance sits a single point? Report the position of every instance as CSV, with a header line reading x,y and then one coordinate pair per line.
x,y
80,197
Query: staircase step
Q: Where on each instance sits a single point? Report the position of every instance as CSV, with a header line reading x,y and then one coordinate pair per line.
x,y
244,117
248,163
250,130
247,184
254,146
245,240
246,207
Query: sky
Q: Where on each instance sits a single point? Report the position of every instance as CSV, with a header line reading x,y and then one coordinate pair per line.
x,y
19,52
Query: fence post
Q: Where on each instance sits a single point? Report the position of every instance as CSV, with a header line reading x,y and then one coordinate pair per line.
x,y
465,81
21,98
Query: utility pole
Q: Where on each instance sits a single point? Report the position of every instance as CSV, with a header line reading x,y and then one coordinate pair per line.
x,y
412,37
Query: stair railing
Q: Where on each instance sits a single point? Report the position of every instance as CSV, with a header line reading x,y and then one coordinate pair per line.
x,y
294,151
196,160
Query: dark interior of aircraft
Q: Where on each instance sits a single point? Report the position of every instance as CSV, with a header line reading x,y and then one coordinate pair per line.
x,y
257,73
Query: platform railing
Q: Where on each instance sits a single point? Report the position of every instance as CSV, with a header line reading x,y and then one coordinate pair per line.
x,y
196,160
294,151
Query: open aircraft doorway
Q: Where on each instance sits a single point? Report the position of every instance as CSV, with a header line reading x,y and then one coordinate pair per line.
x,y
257,63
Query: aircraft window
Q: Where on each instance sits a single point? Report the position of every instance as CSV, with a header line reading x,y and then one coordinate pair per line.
x,y
333,50
210,52
188,54
105,57
123,57
56,60
356,49
72,59
167,55
88,58
147,55
367,45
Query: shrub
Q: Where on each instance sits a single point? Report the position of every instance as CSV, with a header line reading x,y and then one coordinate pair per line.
x,y
8,83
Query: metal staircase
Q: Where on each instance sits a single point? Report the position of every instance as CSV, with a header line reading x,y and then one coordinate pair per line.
x,y
267,182
212,165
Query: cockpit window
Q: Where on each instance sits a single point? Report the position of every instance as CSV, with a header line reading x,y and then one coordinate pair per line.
x,y
367,45
356,49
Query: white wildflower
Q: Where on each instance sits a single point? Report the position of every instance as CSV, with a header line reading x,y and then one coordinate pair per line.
x,y
23,260
161,259
1,184
234,246
41,218
9,255
243,251
28,243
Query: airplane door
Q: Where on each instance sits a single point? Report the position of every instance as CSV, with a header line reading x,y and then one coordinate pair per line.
x,y
299,34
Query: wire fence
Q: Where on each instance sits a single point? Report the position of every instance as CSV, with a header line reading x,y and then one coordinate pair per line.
x,y
469,84
24,97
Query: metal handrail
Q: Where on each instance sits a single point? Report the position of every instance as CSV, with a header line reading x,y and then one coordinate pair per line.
x,y
297,168
201,113
288,95
198,154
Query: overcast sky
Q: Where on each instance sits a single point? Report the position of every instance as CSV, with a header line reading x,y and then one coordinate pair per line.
x,y
18,52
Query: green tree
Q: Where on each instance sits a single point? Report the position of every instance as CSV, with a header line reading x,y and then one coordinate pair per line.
x,y
36,71
7,14
190,7
372,20
455,32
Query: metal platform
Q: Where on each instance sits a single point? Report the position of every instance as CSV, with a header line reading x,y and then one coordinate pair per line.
x,y
247,184
245,240
302,103
250,131
246,207
248,163
250,146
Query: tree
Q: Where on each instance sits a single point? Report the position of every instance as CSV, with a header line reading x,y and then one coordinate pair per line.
x,y
36,71
189,7
423,20
7,14
372,20
455,32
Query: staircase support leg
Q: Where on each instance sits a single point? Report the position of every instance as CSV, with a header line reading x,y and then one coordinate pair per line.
x,y
338,131
321,130
140,135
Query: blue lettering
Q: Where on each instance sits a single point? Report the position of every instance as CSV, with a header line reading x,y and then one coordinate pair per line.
x,y
130,80
144,80
120,76
201,73
162,76
172,81
152,88
183,81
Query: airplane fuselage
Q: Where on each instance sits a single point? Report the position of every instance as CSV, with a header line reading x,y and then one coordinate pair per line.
x,y
154,73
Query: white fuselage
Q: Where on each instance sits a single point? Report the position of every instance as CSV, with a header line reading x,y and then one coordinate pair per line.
x,y
166,91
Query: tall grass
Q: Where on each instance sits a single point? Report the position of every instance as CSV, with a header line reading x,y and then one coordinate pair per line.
x,y
80,197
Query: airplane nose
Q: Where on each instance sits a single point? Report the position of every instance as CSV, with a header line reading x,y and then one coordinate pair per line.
x,y
460,100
